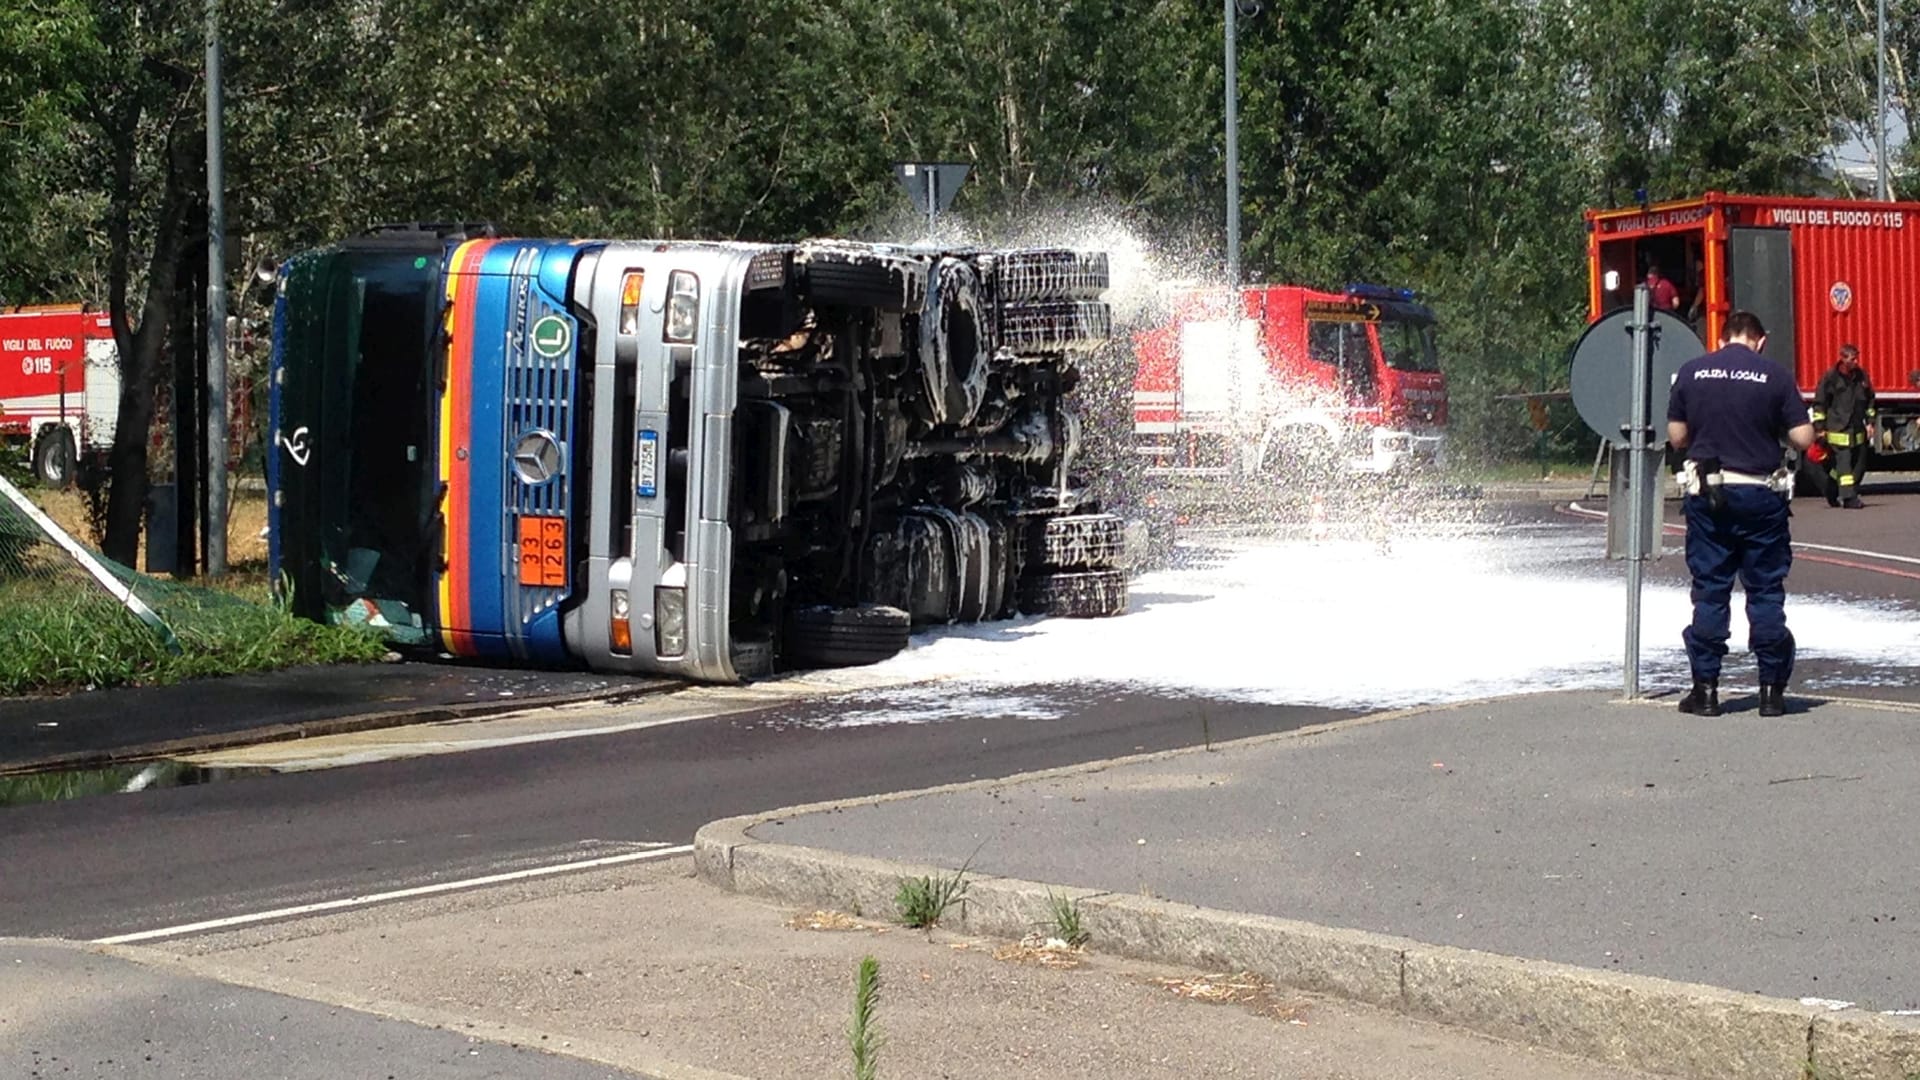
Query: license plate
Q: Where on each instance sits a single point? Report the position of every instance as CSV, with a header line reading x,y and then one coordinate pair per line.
x,y
647,483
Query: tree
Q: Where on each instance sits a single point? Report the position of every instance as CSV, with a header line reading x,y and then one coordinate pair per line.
x,y
46,48
140,135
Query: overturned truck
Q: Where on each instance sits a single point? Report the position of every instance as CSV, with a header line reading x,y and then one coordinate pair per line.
x,y
709,460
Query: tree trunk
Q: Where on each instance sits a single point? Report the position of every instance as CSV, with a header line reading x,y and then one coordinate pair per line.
x,y
140,357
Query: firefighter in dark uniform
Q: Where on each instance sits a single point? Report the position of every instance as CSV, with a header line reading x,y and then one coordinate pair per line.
x,y
1729,411
1843,415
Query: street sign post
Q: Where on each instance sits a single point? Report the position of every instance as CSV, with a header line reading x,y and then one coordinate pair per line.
x,y
1623,372
931,184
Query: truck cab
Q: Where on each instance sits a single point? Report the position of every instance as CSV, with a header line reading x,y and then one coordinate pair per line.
x,y
1284,378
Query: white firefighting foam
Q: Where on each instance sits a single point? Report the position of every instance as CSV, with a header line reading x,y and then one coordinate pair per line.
x,y
1346,624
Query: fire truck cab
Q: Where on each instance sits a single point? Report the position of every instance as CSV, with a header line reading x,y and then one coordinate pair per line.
x,y
59,387
1271,378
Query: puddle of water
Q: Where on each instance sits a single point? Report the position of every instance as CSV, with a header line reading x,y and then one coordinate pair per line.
x,y
112,780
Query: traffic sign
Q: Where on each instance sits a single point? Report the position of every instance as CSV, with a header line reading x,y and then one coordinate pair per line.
x,y
931,184
1602,377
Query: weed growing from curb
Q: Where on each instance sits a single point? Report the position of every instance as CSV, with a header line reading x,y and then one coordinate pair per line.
x,y
1066,919
863,1036
922,901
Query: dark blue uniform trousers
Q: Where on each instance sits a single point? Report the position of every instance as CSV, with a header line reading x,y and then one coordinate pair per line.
x,y
1748,538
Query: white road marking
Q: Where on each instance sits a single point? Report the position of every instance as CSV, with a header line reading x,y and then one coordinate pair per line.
x,y
397,894
1799,544
1857,551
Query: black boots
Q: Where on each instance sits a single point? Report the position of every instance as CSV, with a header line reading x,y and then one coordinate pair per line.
x,y
1703,700
1773,700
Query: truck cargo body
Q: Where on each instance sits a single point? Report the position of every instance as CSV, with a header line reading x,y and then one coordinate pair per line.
x,y
707,460
1819,273
1272,376
59,387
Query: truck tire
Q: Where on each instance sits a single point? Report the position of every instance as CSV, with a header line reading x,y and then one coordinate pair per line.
x,y
867,282
1079,594
1055,326
1051,274
843,637
54,460
1077,541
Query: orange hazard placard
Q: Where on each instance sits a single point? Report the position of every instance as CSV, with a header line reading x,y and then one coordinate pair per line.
x,y
543,551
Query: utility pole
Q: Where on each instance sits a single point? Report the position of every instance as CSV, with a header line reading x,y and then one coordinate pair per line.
x,y
1233,146
216,398
1883,191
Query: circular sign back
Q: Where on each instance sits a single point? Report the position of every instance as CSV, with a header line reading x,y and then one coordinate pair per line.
x,y
1602,377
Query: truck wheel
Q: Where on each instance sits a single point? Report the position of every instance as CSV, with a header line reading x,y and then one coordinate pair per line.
x,y
1051,274
54,459
752,658
856,281
1080,594
843,637
1055,326
954,349
1090,541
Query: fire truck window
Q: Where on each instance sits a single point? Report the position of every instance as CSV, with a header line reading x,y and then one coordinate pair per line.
x,y
1323,342
1409,346
1344,345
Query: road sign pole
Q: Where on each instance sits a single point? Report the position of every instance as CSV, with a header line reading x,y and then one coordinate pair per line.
x,y
1639,486
930,185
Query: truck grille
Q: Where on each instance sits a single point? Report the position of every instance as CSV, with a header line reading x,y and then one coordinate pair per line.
x,y
539,396
537,429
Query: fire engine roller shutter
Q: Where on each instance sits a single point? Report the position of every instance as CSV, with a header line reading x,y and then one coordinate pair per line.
x,y
1760,274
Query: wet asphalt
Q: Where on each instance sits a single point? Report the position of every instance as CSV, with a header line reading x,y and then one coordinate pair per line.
x,y
108,725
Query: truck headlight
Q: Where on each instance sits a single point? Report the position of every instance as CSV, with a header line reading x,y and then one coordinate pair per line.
x,y
669,621
619,630
683,307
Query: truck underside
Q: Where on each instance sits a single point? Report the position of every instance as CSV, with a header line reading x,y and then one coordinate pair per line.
x,y
901,451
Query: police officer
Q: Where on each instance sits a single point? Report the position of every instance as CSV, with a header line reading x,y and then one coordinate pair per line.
x,y
1729,411
1843,415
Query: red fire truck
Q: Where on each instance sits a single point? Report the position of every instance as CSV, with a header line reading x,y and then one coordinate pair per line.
x,y
1286,379
1818,272
59,386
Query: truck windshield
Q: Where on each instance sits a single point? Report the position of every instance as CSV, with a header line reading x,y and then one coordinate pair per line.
x,y
1408,346
357,399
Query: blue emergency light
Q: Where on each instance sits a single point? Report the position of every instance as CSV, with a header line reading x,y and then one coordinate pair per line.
x,y
1363,291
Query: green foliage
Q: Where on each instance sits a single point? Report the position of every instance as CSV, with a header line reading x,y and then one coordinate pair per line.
x,y
923,901
1448,146
1066,925
58,636
863,1036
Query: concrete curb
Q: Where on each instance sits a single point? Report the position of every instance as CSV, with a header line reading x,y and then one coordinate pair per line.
x,y
334,725
1639,1022
1632,1021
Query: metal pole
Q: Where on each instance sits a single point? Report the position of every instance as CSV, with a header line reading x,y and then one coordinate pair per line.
x,y
933,198
1637,486
1233,148
216,309
1880,113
